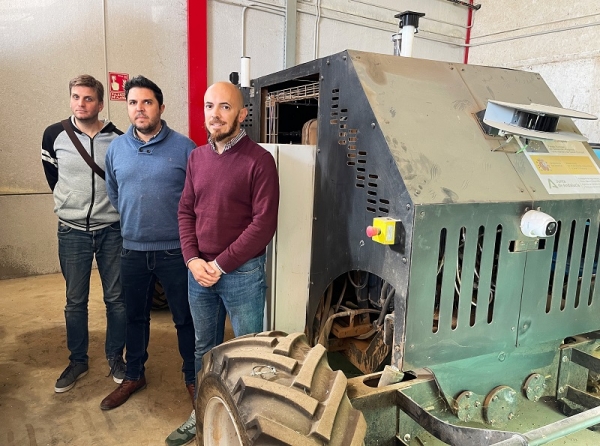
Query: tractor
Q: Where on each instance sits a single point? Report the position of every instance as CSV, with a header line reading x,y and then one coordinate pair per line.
x,y
432,277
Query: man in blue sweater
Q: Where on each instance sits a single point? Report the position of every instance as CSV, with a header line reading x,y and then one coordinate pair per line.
x,y
145,174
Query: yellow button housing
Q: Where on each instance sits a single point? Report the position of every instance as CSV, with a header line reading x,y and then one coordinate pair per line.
x,y
387,230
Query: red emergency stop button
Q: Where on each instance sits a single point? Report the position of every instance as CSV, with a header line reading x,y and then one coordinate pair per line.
x,y
372,231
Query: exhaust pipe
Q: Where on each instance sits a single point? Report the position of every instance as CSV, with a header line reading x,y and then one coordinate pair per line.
x,y
409,26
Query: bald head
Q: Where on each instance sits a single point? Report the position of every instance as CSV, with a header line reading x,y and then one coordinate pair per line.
x,y
226,90
223,112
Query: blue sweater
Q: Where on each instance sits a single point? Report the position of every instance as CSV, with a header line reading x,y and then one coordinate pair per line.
x,y
144,183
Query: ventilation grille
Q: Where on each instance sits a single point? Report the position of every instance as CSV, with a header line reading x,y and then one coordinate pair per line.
x,y
466,275
477,286
468,269
573,270
249,121
356,158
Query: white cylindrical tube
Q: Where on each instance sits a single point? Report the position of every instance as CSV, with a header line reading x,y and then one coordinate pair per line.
x,y
408,36
397,39
245,73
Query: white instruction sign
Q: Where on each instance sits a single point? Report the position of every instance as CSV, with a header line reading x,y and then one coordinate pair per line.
x,y
564,167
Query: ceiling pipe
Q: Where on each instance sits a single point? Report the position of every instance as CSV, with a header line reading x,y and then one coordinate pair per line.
x,y
105,44
256,7
317,22
289,59
469,5
507,39
468,33
197,68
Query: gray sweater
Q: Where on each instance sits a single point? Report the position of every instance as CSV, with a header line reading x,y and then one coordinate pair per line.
x,y
80,199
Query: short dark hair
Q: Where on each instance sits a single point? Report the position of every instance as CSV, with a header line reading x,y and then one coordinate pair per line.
x,y
143,82
85,80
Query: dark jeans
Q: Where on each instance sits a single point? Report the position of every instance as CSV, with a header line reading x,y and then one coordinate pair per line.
x,y
76,250
138,272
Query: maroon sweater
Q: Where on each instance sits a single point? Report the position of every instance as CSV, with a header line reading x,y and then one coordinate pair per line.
x,y
228,208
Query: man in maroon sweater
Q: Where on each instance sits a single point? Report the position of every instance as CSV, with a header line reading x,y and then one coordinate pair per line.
x,y
227,216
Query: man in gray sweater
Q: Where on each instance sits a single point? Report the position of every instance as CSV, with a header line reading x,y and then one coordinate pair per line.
x,y
88,226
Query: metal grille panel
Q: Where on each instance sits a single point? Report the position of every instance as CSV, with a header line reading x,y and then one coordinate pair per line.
x,y
560,298
465,282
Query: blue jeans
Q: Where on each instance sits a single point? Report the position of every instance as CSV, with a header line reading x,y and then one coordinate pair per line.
x,y
76,250
240,293
139,269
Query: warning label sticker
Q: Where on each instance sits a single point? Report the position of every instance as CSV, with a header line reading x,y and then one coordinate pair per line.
x,y
564,167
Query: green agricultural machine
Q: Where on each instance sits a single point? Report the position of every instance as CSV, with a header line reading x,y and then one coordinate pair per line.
x,y
453,237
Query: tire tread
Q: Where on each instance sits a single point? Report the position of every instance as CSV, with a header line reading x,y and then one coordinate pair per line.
x,y
303,403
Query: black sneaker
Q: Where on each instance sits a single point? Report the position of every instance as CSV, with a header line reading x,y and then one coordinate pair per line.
x,y
72,373
117,369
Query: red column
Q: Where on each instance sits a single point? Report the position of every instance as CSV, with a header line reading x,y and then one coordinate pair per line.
x,y
197,68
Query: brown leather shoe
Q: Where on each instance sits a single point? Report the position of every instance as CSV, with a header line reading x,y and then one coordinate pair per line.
x,y
191,388
122,393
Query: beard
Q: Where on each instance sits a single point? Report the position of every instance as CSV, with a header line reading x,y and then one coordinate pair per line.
x,y
227,134
148,129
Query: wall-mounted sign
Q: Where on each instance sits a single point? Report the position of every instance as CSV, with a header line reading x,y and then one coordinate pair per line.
x,y
116,85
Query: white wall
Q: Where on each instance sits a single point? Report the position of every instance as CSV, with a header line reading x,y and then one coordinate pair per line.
x,y
558,39
44,43
337,25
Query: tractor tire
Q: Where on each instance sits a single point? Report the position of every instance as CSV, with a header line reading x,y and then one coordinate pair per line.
x,y
274,389
159,298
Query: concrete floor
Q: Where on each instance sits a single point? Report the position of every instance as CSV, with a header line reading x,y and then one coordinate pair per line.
x,y
33,354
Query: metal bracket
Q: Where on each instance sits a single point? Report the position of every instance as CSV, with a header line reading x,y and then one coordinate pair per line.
x,y
452,434
449,433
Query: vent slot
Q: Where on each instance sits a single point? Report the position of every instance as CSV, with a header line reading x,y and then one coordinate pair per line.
x,y
476,275
492,299
572,280
440,274
593,291
586,234
552,271
565,284
467,271
249,121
